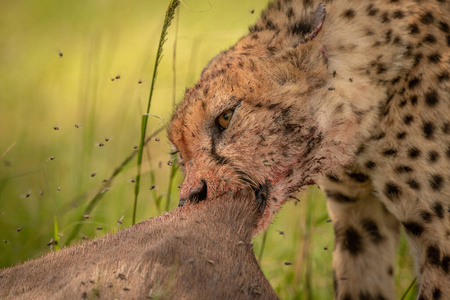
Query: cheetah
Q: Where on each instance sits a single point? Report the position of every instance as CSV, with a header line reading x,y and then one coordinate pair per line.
x,y
353,96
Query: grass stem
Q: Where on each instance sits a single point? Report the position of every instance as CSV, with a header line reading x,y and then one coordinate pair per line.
x,y
263,245
167,20
409,289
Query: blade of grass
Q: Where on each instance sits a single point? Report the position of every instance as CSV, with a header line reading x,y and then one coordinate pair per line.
x,y
174,61
7,150
173,172
167,20
409,289
263,244
55,234
94,201
174,168
303,264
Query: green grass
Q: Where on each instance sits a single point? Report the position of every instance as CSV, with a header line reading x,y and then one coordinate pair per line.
x,y
66,198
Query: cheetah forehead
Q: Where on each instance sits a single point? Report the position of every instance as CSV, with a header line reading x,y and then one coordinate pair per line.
x,y
240,74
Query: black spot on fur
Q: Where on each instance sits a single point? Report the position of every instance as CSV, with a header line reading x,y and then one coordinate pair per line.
x,y
433,255
381,68
271,26
398,14
301,27
428,130
413,100
438,210
387,36
413,184
255,28
340,197
417,58
378,136
413,82
385,18
434,58
372,11
444,76
392,191
389,152
426,216
352,241
429,38
446,264
436,182
433,156
396,80
349,14
403,169
408,119
413,28
360,150
413,228
290,13
414,152
401,135
397,40
431,98
427,18
371,227
358,177
446,128
370,165
437,294
444,27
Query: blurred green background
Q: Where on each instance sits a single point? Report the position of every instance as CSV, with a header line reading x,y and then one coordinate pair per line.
x,y
58,66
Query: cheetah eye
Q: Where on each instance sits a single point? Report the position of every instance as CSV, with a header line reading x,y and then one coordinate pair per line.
x,y
224,119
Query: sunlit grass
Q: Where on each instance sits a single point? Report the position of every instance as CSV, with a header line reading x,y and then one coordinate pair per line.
x,y
86,69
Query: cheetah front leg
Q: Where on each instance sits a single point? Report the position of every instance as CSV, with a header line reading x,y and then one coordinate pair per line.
x,y
427,226
366,236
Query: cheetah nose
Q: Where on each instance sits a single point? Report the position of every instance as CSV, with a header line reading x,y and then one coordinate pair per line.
x,y
198,193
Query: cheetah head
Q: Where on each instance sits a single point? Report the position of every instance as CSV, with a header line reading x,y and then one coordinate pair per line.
x,y
255,119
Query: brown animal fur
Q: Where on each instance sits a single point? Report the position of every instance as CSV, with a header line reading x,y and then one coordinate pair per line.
x,y
196,252
358,102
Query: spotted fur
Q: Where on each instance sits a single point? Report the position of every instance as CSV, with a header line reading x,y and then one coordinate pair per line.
x,y
357,100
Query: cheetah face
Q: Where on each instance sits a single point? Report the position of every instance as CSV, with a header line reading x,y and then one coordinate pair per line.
x,y
253,121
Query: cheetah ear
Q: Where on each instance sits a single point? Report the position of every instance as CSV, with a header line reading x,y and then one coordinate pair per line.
x,y
317,21
318,18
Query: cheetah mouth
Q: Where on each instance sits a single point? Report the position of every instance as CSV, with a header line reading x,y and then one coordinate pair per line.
x,y
200,193
261,196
